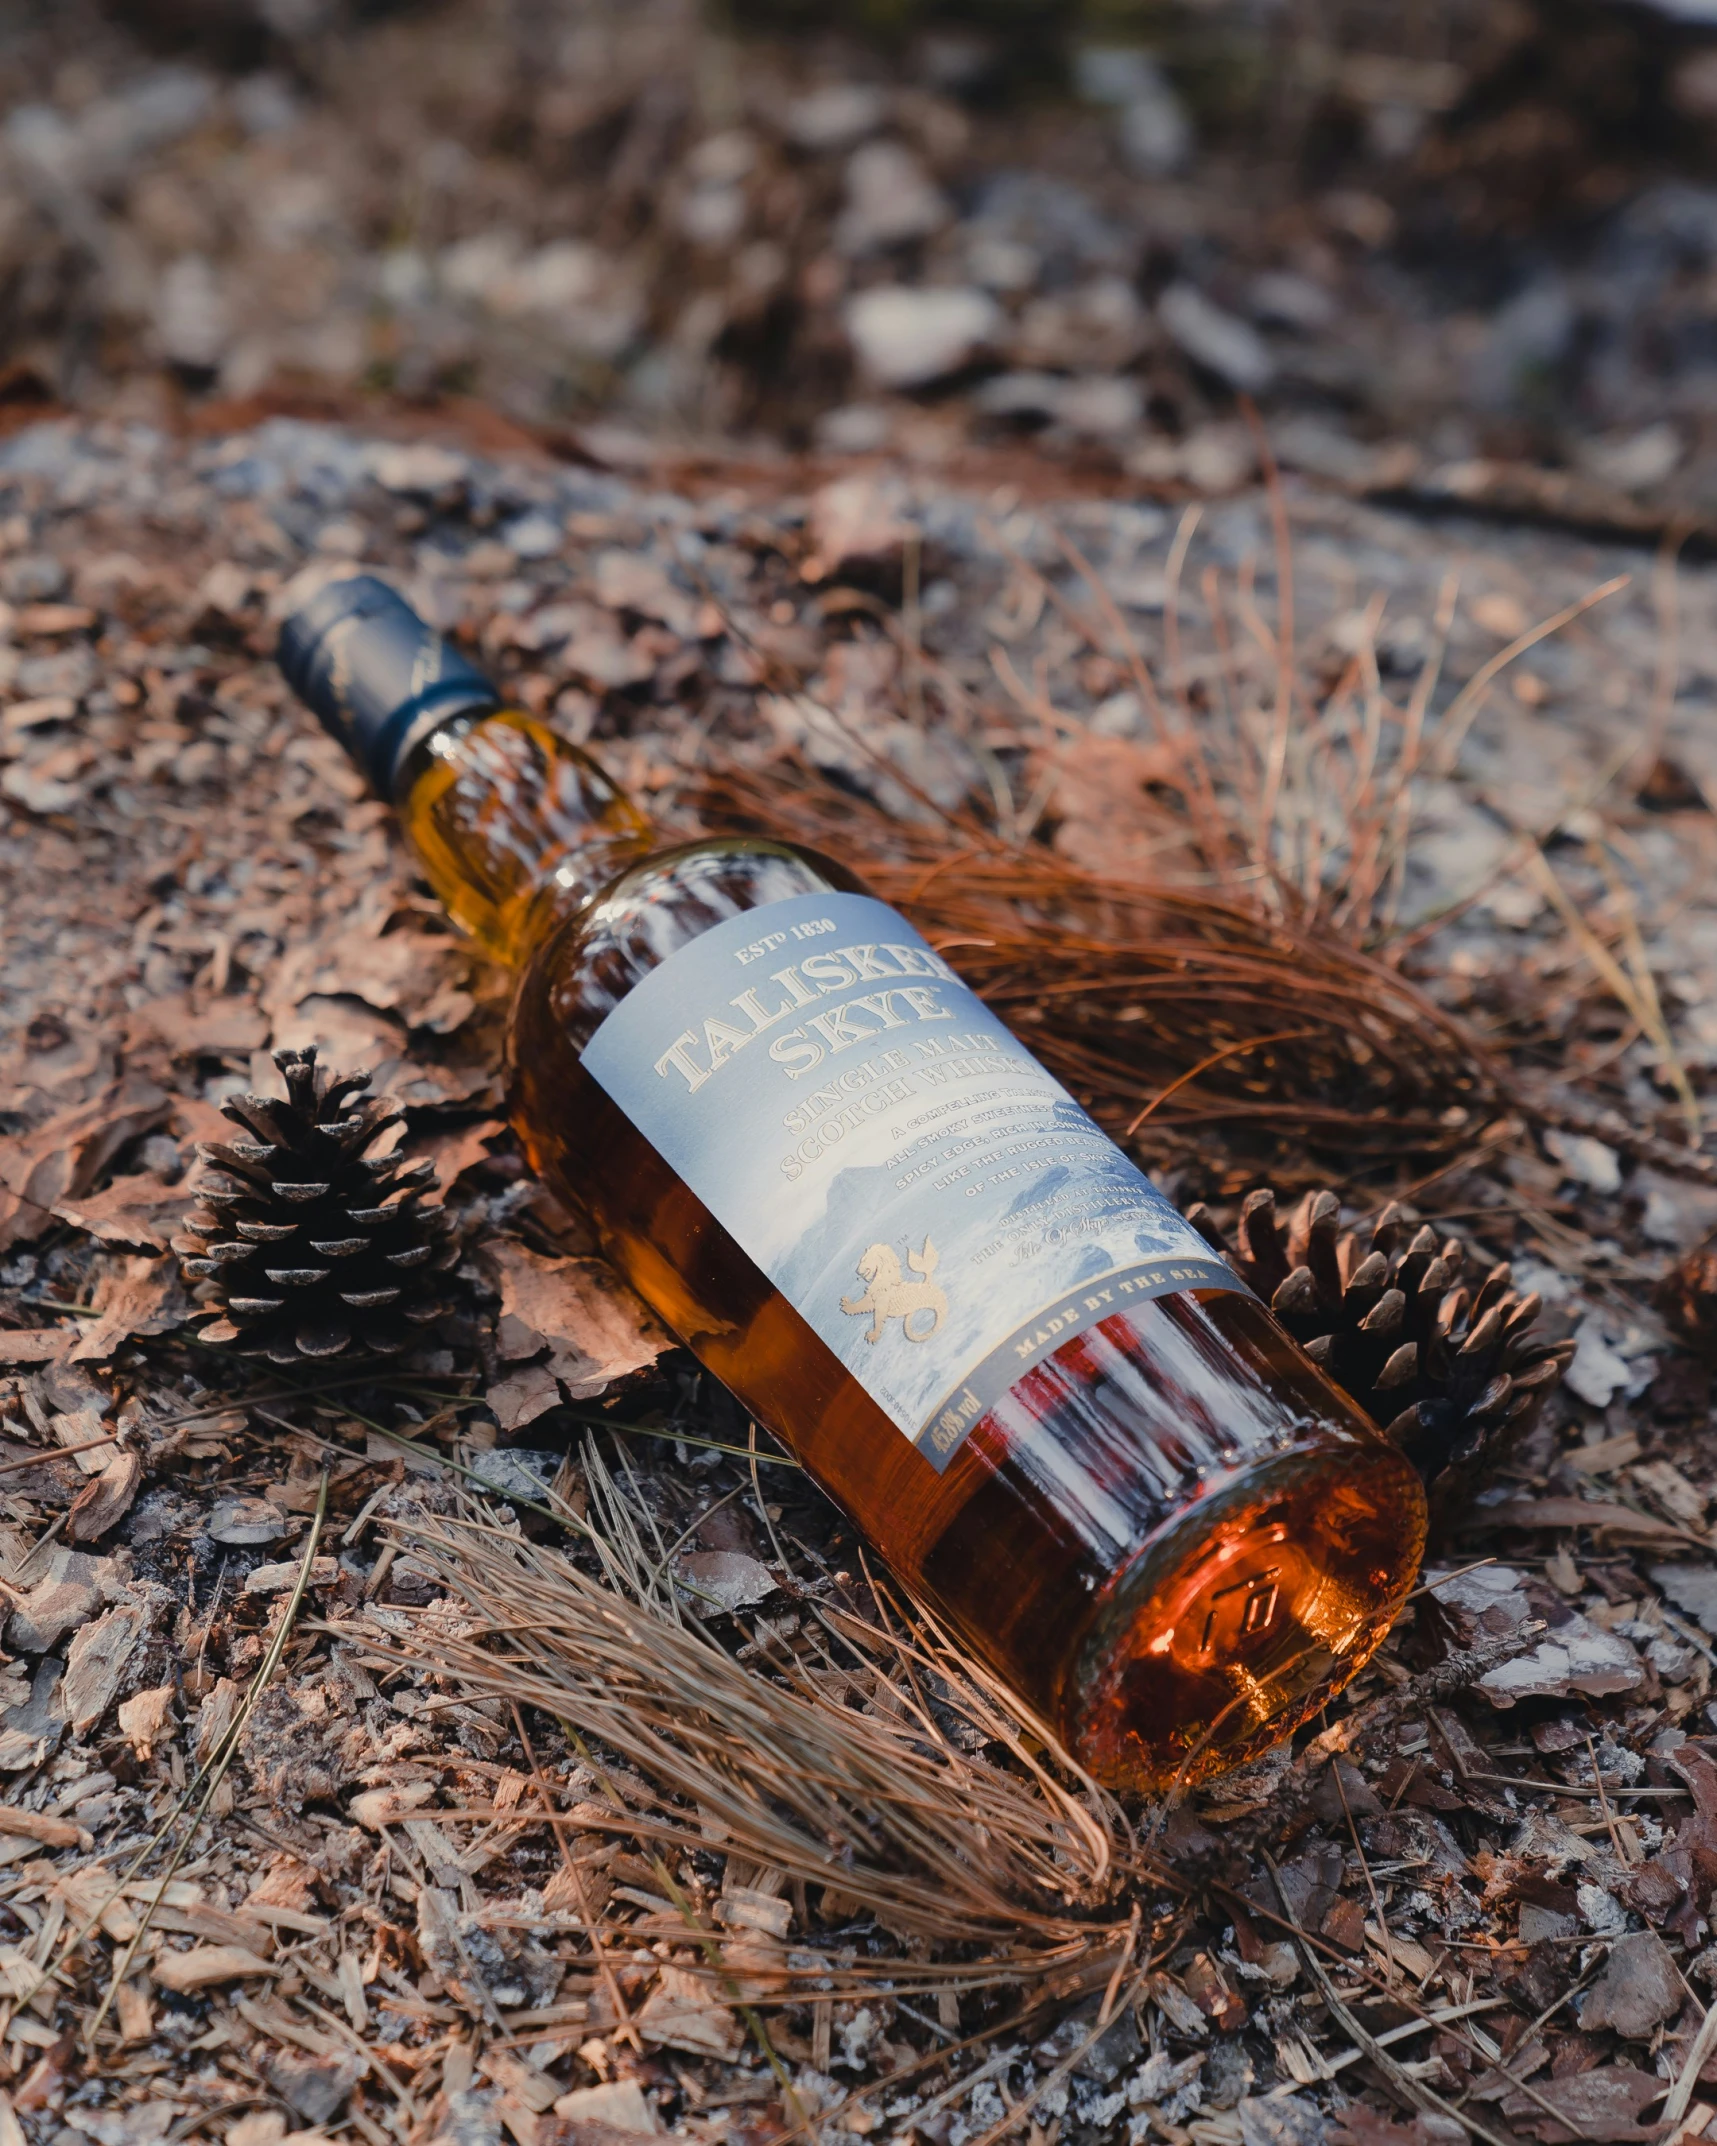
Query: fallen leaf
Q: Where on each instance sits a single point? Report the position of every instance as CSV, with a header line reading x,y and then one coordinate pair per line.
x,y
136,2014
95,1663
1669,1490
242,1523
723,1579
1601,2106
523,1396
106,1498
1639,1988
1114,801
140,1210
680,2013
856,522
620,2104
594,1328
63,1157
523,2081
454,1149
1693,1589
1360,2126
405,972
146,1719
280,1579
204,1965
137,1295
189,1030
36,1344
378,1807
37,1825
344,1030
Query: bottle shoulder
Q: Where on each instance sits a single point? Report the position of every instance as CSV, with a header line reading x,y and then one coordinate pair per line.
x,y
658,905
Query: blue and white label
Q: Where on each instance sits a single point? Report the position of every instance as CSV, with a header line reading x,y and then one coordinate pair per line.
x,y
932,1202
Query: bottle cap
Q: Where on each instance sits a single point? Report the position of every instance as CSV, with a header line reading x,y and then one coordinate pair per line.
x,y
377,675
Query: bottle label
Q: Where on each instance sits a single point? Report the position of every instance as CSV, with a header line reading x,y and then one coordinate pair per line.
x,y
929,1199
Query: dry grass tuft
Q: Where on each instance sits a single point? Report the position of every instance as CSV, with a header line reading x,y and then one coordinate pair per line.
x,y
1165,1009
862,1755
1199,930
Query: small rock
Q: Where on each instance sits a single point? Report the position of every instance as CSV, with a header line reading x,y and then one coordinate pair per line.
x,y
33,577
1101,406
856,522
1112,74
1221,342
533,536
891,200
1596,1374
424,469
515,1472
1284,300
1634,461
1602,1914
241,1523
1587,1161
907,338
836,117
1156,134
191,313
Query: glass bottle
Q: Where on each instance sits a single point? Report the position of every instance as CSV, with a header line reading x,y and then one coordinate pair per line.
x,y
1146,1509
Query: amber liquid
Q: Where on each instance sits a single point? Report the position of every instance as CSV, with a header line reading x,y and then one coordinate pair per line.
x,y
1174,1538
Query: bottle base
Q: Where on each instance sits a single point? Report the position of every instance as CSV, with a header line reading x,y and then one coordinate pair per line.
x,y
1252,1609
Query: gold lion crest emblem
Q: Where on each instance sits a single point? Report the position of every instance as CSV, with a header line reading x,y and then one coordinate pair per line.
x,y
892,1296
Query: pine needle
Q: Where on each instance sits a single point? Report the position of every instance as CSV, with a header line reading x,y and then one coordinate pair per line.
x,y
208,1777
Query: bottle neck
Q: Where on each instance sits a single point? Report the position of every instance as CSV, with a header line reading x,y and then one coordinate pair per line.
x,y
513,827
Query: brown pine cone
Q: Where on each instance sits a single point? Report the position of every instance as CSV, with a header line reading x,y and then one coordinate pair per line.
x,y
1451,1372
309,1247
1688,1295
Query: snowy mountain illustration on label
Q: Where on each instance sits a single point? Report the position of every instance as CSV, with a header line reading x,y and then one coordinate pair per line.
x,y
892,1296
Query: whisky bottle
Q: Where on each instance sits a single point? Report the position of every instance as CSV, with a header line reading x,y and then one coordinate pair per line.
x,y
847,1187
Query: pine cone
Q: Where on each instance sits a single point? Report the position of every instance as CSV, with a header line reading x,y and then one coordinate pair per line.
x,y
1688,1297
309,1247
1452,1374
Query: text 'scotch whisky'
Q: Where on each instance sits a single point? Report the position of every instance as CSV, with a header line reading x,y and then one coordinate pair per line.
x,y
853,1193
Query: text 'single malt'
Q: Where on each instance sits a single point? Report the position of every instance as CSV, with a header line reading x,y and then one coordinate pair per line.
x,y
895,1236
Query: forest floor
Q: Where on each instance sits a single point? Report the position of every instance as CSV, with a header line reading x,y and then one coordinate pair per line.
x,y
277,1861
